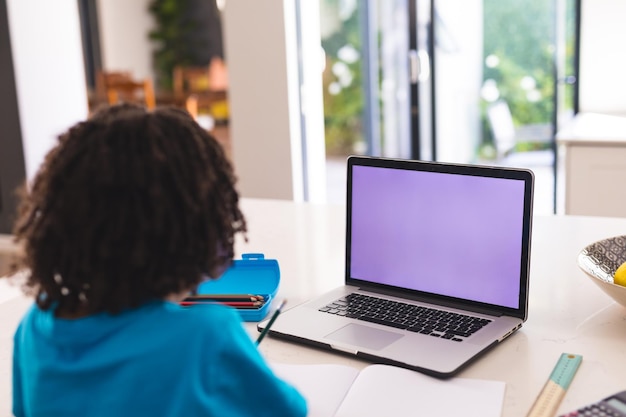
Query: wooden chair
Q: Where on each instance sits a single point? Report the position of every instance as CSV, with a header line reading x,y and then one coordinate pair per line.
x,y
192,88
114,87
507,136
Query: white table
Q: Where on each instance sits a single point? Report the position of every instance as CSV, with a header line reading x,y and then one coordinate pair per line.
x,y
568,313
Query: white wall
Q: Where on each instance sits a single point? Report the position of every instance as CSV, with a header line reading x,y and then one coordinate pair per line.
x,y
264,124
49,71
602,59
313,102
459,76
124,27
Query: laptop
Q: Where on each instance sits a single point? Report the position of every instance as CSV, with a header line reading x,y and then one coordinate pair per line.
x,y
436,266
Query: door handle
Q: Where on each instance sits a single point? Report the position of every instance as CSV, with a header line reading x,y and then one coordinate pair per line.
x,y
419,66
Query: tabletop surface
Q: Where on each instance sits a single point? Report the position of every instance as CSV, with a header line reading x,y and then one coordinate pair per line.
x,y
594,129
567,312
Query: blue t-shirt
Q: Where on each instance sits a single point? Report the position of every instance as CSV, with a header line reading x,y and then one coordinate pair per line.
x,y
156,360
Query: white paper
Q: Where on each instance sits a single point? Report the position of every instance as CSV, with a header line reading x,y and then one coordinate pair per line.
x,y
383,390
323,386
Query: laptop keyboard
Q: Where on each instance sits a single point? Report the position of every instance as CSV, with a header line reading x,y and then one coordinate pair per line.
x,y
424,320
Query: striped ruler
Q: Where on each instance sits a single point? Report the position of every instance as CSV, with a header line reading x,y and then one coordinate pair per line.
x,y
554,390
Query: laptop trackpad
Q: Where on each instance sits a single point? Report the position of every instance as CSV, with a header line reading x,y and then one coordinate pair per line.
x,y
367,337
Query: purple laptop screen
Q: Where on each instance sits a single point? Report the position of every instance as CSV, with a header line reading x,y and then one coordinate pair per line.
x,y
447,234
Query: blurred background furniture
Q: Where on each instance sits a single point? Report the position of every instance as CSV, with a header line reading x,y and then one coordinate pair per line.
x,y
200,91
524,146
8,251
592,166
119,86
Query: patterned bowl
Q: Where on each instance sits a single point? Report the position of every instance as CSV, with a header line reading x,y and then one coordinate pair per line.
x,y
600,260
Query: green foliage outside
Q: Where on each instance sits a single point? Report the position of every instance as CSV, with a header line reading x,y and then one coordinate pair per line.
x,y
521,34
171,38
343,111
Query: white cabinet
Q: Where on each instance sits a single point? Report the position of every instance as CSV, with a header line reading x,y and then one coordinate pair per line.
x,y
591,177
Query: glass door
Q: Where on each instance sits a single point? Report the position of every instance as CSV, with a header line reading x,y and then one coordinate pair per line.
x,y
496,83
366,83
366,77
474,81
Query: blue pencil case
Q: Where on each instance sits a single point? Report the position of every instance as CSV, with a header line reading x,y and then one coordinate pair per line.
x,y
252,274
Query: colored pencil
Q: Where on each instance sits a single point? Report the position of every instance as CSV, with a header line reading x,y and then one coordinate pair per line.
x,y
226,297
242,303
238,304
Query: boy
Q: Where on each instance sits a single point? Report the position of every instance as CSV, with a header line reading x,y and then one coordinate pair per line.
x,y
129,212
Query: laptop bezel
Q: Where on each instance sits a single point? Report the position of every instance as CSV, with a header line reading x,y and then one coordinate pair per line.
x,y
461,169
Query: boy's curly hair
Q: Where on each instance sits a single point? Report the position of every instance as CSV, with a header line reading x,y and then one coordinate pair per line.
x,y
129,206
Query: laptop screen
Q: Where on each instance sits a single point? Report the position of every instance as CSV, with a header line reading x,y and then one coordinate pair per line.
x,y
450,234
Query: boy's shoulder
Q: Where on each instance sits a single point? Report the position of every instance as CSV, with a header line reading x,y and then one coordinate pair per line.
x,y
200,322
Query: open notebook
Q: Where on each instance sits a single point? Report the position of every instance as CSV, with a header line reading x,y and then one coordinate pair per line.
x,y
437,264
382,390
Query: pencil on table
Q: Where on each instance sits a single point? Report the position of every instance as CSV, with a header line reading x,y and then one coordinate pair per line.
x,y
271,321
